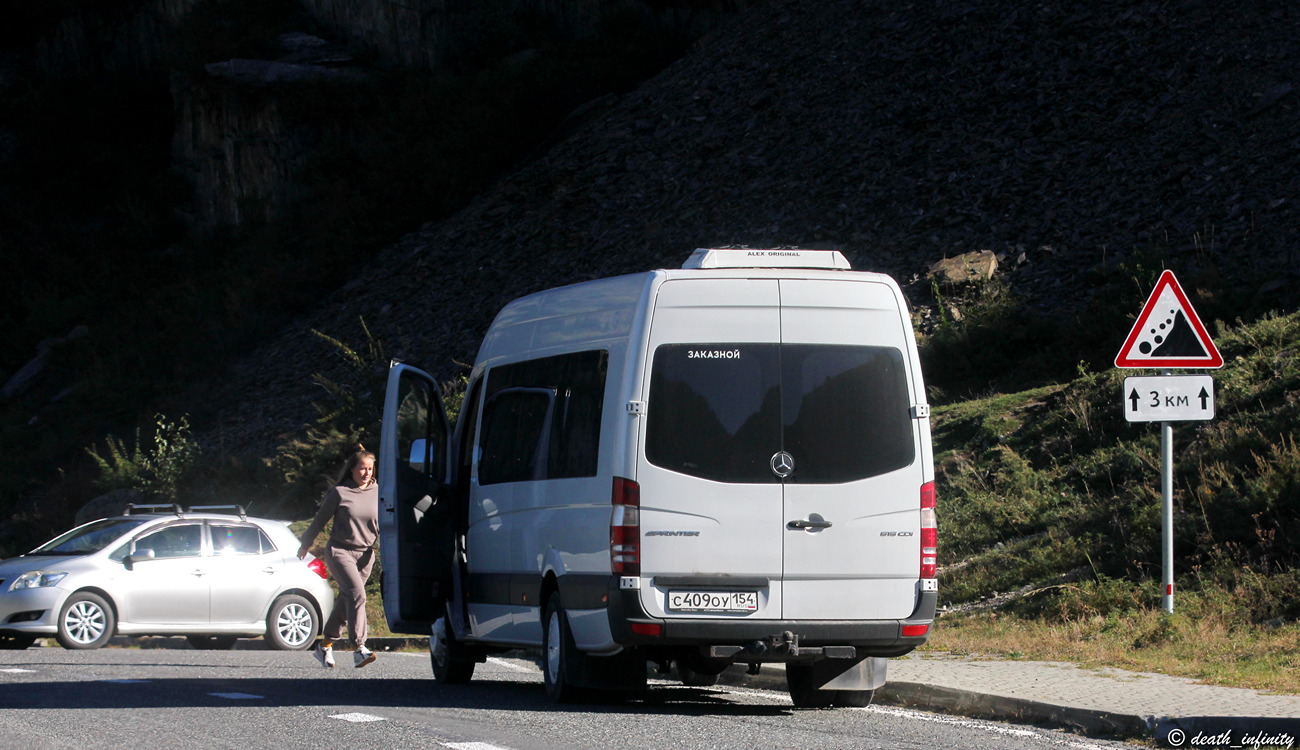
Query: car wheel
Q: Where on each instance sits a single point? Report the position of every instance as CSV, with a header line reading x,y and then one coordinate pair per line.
x,y
452,662
799,680
559,654
292,623
86,621
212,642
16,642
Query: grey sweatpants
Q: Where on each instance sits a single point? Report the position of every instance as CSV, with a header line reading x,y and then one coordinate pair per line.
x,y
351,570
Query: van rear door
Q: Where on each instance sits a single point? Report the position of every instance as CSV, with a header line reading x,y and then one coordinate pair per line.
x,y
711,513
780,451
416,523
852,518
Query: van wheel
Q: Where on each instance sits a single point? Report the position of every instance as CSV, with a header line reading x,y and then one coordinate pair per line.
x,y
799,680
86,621
854,698
691,678
452,662
559,654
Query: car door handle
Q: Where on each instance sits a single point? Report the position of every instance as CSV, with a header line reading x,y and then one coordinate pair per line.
x,y
199,573
269,570
802,524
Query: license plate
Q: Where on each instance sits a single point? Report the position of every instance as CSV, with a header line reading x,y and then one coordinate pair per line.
x,y
713,601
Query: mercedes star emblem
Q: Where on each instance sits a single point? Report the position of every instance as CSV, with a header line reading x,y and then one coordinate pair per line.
x,y
783,464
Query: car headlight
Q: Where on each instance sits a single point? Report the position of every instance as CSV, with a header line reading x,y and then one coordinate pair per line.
x,y
36,579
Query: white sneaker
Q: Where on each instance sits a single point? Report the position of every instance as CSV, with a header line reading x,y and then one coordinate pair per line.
x,y
362,656
324,654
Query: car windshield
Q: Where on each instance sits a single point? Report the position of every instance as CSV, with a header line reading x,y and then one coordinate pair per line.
x,y
92,537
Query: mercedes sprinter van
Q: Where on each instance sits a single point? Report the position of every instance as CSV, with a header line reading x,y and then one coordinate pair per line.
x,y
727,463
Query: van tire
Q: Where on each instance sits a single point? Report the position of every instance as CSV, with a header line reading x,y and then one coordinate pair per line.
x,y
799,680
560,656
452,662
690,678
854,698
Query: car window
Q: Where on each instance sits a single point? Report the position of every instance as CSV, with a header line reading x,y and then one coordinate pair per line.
x,y
229,539
89,538
181,540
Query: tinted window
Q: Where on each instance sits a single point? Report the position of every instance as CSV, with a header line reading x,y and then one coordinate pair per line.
x,y
720,411
239,540
514,423
554,433
714,411
846,412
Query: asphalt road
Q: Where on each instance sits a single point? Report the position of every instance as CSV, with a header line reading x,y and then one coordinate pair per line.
x,y
182,698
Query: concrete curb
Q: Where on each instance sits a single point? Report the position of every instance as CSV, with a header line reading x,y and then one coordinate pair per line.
x,y
975,705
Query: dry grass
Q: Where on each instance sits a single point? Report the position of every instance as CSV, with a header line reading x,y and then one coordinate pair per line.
x,y
1204,649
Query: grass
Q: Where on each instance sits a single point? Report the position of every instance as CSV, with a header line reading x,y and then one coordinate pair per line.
x,y
1050,526
1207,649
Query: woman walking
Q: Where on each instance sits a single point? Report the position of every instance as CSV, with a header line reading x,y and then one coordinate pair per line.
x,y
350,554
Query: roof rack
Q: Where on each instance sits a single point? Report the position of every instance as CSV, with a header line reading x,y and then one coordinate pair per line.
x,y
239,509
132,508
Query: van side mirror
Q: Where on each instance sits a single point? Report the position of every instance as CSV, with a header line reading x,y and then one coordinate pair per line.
x,y
422,455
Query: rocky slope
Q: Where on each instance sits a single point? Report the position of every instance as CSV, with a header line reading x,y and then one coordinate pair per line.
x,y
1065,138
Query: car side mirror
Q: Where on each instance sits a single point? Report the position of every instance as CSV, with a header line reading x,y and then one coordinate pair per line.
x,y
140,555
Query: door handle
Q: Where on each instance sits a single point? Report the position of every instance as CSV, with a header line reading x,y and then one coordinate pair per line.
x,y
802,524
269,570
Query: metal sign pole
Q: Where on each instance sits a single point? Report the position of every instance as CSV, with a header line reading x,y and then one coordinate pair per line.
x,y
1167,495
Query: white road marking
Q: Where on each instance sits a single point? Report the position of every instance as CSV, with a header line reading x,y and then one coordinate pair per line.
x,y
981,725
16,670
472,746
507,665
236,696
356,718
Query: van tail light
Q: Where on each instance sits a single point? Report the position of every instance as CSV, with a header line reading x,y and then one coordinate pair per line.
x,y
625,528
929,533
317,566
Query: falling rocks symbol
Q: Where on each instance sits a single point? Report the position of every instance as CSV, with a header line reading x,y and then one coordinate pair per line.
x,y
1174,338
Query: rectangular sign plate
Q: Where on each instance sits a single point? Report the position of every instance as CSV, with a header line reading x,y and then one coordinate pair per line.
x,y
1168,398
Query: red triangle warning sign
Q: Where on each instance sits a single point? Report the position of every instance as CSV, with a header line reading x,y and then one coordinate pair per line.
x,y
1168,333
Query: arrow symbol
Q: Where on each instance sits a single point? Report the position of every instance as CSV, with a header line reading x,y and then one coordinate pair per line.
x,y
1205,399
1134,398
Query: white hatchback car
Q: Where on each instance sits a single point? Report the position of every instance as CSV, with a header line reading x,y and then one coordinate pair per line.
x,y
212,577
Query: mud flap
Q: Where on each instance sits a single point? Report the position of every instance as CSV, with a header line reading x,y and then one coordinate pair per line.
x,y
865,674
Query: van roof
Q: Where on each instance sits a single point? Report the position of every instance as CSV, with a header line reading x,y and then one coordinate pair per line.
x,y
766,258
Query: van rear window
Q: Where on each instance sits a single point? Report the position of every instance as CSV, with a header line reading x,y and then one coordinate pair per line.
x,y
722,411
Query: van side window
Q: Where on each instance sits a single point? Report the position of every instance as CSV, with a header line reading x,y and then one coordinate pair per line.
x,y
514,425
721,411
521,440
